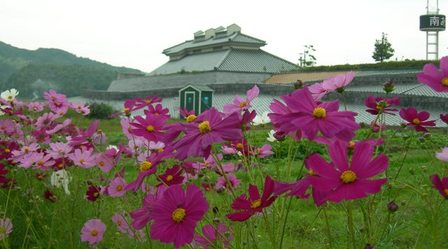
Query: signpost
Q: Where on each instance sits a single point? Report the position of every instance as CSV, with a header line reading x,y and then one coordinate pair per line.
x,y
432,23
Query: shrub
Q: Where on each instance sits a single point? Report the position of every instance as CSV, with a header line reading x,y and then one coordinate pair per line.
x,y
100,111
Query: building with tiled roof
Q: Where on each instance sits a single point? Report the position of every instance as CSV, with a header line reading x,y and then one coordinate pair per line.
x,y
215,56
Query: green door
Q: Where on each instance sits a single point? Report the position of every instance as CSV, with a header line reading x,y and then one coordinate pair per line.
x,y
189,101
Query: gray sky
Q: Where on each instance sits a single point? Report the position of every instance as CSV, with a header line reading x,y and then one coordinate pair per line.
x,y
133,33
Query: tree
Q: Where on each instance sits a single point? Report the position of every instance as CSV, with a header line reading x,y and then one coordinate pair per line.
x,y
383,49
307,58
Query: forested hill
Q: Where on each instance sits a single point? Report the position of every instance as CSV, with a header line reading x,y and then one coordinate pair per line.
x,y
33,71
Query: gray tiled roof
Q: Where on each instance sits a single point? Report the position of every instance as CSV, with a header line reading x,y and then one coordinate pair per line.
x,y
235,37
181,80
236,60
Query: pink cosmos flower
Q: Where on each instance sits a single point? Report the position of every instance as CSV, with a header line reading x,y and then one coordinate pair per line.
x,y
263,151
119,220
139,103
141,216
345,179
58,127
159,110
248,206
117,187
312,117
212,234
84,137
150,127
80,108
443,155
147,166
172,176
189,115
435,78
379,105
7,126
92,232
338,82
59,150
317,91
416,119
5,228
43,161
56,102
176,214
35,106
240,104
440,184
444,118
83,158
222,184
209,128
46,120
104,162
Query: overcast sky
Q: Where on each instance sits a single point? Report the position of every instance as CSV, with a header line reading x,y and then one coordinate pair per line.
x,y
133,33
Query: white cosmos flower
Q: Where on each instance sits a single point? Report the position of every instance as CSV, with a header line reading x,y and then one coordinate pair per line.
x,y
261,119
9,95
271,137
61,178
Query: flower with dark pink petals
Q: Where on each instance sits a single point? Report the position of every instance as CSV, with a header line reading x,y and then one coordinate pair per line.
x,y
240,104
150,127
444,118
208,128
248,206
211,235
434,77
440,184
141,216
379,105
93,192
93,231
344,179
418,120
176,214
172,176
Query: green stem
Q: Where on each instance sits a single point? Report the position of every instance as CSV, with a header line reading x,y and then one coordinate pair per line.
x,y
327,226
269,230
351,229
284,222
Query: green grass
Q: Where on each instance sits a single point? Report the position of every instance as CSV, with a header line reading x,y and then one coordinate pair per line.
x,y
39,223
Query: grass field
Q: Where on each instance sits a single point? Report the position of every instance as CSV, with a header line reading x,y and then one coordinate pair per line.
x,y
419,222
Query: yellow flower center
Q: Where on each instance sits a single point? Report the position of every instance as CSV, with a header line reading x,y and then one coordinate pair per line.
x,y
204,127
94,232
101,163
145,165
348,176
126,110
178,215
312,172
119,188
7,150
190,118
40,163
445,81
351,145
445,190
9,97
148,101
239,146
169,178
150,128
416,121
255,204
243,104
160,150
82,161
319,112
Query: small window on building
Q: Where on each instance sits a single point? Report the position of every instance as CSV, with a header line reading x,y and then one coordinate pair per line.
x,y
206,100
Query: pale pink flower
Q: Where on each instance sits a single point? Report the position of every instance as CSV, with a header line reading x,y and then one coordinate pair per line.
x,y
240,104
5,228
83,158
80,108
93,231
443,155
35,106
338,82
116,187
221,183
317,91
59,150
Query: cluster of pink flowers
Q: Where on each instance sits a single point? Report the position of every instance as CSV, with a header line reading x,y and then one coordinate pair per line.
x,y
176,164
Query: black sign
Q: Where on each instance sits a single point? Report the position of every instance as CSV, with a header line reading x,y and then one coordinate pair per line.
x,y
432,23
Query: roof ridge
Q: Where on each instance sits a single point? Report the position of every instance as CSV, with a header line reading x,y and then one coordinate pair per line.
x,y
280,58
218,65
251,37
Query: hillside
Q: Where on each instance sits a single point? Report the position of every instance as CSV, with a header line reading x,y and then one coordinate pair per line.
x,y
33,71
